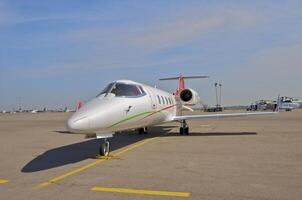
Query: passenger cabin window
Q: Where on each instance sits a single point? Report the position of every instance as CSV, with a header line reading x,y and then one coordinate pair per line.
x,y
158,98
123,90
162,98
167,100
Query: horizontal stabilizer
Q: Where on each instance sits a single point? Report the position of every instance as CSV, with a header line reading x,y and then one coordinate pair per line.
x,y
184,77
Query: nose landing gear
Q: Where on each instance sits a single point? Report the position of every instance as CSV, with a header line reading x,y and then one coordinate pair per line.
x,y
184,128
105,148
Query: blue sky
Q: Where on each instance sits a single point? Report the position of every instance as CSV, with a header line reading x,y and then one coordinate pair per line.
x,y
55,53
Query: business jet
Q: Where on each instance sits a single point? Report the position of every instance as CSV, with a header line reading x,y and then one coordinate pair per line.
x,y
125,105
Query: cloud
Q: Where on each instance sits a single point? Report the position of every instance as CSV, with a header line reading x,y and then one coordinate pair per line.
x,y
135,45
168,32
61,69
276,63
168,35
266,74
11,16
7,16
193,27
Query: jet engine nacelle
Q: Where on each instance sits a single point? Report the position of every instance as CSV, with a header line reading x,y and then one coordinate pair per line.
x,y
189,97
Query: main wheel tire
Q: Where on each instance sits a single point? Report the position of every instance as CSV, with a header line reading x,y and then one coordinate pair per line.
x,y
186,131
181,130
105,149
145,130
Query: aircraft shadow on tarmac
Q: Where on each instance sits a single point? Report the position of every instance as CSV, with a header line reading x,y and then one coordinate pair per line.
x,y
77,152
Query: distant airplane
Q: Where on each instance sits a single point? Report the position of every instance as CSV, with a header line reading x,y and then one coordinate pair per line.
x,y
125,105
297,101
38,111
34,111
262,105
289,104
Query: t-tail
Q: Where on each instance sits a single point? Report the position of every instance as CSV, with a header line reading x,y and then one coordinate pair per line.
x,y
186,98
181,82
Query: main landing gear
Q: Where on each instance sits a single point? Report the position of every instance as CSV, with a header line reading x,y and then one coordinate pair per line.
x,y
105,148
142,131
184,128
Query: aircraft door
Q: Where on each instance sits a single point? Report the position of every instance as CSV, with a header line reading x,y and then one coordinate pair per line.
x,y
152,98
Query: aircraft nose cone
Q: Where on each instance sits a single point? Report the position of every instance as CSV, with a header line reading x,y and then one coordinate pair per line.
x,y
75,125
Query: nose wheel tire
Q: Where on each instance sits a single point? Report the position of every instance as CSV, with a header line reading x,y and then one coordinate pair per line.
x,y
105,149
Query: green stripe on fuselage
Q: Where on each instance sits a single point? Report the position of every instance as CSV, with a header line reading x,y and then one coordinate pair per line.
x,y
140,114
129,118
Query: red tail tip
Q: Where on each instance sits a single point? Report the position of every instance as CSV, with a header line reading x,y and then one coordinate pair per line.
x,y
180,86
79,105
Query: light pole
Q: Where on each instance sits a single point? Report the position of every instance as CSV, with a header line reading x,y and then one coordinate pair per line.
x,y
216,94
220,85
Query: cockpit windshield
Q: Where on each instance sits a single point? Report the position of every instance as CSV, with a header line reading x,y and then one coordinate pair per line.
x,y
123,90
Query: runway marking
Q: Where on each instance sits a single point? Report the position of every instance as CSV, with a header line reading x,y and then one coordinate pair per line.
x,y
100,160
142,192
3,181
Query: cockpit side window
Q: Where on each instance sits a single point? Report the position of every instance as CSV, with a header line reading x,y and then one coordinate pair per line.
x,y
106,90
142,90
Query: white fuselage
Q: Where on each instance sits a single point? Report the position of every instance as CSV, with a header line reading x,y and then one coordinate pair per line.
x,y
110,113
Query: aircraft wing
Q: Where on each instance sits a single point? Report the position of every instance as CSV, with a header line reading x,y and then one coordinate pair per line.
x,y
223,115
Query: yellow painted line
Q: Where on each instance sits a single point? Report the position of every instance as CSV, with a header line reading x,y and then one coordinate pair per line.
x,y
133,146
101,159
142,192
3,181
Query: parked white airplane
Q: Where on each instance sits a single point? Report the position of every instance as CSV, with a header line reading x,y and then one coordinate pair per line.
x,y
125,105
34,111
289,104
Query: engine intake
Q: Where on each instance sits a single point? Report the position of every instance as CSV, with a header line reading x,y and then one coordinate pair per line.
x,y
186,95
189,96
